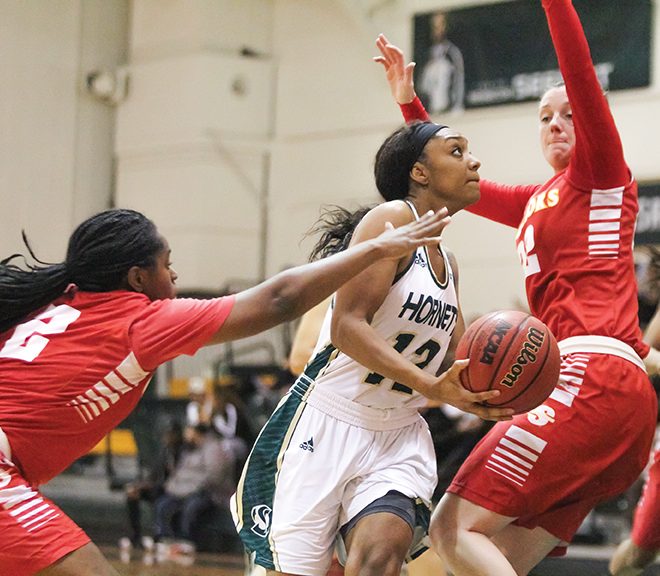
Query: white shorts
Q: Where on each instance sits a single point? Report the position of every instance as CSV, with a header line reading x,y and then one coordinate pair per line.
x,y
316,465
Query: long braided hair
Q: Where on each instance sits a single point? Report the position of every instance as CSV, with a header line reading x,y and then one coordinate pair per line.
x,y
101,251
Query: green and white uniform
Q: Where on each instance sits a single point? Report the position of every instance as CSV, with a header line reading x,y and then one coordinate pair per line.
x,y
345,436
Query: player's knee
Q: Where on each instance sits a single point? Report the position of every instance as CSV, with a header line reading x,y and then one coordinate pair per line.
x,y
442,530
377,558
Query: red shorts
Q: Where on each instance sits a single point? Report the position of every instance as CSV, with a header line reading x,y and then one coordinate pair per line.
x,y
35,532
585,444
646,525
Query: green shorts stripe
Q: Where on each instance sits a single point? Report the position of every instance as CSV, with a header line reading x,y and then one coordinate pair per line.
x,y
256,490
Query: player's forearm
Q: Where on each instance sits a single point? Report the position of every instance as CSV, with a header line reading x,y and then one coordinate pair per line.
x,y
357,339
598,145
298,289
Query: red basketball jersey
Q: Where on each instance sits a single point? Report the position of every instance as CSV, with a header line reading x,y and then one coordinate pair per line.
x,y
74,370
575,232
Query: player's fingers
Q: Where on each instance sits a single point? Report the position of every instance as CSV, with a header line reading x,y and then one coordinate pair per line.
x,y
396,54
459,365
409,71
382,61
497,414
481,397
384,47
432,218
432,224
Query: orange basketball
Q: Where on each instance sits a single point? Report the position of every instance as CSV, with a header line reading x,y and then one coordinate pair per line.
x,y
513,352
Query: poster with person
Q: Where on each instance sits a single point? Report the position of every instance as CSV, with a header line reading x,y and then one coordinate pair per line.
x,y
501,53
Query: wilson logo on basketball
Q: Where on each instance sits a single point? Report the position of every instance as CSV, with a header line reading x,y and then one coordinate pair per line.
x,y
494,341
518,356
528,355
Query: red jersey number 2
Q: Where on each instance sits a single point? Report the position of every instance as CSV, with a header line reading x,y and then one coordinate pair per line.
x,y
29,339
528,258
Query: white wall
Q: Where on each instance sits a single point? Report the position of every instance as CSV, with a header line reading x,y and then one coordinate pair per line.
x,y
56,161
193,137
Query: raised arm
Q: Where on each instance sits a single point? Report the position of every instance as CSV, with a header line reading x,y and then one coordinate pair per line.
x,y
500,203
597,160
292,292
400,79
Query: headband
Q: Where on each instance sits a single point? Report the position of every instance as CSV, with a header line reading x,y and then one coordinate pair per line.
x,y
421,134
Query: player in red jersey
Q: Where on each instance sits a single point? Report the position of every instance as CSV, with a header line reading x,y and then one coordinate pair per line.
x,y
80,340
526,488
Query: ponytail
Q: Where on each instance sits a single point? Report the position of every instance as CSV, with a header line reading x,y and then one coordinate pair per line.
x,y
336,226
23,290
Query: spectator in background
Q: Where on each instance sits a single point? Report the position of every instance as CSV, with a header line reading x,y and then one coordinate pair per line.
x,y
228,416
198,408
204,477
442,83
264,391
229,420
150,488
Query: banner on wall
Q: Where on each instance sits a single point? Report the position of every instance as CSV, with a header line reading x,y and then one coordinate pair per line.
x,y
648,219
502,53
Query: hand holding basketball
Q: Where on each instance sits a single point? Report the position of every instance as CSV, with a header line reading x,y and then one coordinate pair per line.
x,y
448,389
514,353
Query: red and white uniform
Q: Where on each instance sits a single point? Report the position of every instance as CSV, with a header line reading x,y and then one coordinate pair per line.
x,y
68,375
575,233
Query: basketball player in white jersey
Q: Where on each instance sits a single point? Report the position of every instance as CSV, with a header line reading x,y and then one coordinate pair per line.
x,y
346,451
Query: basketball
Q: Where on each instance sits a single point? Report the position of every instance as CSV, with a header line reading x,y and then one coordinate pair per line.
x,y
513,352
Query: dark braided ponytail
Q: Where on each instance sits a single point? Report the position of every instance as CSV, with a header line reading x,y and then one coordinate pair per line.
x,y
101,251
336,226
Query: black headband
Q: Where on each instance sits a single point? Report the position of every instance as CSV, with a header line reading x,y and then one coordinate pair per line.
x,y
421,134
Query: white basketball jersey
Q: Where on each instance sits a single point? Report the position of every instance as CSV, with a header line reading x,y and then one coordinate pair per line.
x,y
417,318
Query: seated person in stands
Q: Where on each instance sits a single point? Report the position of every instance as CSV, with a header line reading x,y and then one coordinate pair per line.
x,y
229,416
205,477
150,488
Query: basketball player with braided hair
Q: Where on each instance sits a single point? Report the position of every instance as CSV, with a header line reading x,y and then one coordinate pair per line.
x,y
80,340
347,452
526,488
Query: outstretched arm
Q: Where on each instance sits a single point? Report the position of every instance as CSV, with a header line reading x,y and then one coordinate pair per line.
x,y
292,292
400,79
598,155
500,203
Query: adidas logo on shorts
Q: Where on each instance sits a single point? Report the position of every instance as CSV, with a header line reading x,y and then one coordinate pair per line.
x,y
309,445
